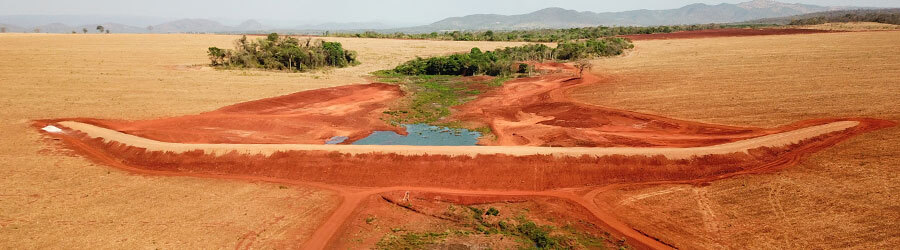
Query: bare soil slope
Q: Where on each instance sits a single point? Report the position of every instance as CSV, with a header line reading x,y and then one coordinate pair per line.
x,y
842,197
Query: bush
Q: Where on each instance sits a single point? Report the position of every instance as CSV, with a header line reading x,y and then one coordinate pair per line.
x,y
502,62
539,235
283,53
216,55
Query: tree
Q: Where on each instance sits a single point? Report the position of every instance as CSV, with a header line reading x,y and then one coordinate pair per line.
x,y
489,35
582,65
36,30
149,28
107,31
84,30
100,28
216,55
2,29
73,32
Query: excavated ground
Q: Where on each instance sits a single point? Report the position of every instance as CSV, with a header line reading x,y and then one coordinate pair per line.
x,y
280,140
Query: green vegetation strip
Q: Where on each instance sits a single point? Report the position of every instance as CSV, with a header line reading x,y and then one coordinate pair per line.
x,y
430,97
504,62
480,221
434,85
546,35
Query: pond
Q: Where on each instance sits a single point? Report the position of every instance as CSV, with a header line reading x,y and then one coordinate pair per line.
x,y
423,135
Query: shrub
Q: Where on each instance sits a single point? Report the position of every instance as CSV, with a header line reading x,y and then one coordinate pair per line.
x,y
216,55
539,235
492,211
283,53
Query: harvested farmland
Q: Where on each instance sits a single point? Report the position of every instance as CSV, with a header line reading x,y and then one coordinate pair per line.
x,y
767,81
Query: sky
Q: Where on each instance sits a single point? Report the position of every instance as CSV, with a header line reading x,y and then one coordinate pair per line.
x,y
386,11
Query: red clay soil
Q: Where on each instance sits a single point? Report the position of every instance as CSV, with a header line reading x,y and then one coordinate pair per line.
x,y
535,172
723,33
309,117
531,111
538,112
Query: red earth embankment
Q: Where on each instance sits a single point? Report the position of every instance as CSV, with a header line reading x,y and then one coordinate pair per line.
x,y
311,117
495,171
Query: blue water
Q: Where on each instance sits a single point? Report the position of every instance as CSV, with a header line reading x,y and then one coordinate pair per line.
x,y
423,135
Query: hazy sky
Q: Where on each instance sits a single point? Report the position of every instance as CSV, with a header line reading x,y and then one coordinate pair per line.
x,y
389,11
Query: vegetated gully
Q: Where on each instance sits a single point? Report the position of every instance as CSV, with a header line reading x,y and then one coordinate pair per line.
x,y
584,151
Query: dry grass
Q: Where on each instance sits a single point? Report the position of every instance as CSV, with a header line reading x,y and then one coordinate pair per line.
x,y
49,200
842,197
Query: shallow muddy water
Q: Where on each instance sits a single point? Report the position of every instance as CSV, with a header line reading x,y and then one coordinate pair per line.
x,y
423,135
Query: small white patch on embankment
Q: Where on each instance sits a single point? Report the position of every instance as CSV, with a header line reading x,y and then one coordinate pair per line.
x,y
52,129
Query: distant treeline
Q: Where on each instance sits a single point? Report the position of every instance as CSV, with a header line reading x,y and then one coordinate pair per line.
x,y
542,35
283,53
503,62
889,16
879,16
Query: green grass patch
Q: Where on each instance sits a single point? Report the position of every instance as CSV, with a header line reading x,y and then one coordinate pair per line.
x,y
430,97
411,240
491,221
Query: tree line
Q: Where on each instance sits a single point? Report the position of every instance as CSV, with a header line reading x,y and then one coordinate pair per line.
x,y
885,16
504,62
542,35
283,53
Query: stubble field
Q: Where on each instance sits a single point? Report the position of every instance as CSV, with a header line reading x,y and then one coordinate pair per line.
x,y
842,197
55,200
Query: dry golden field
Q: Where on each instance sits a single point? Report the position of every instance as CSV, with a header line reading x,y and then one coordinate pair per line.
x,y
52,200
842,197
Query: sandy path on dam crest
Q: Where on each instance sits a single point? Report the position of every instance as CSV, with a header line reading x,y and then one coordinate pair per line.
x,y
775,140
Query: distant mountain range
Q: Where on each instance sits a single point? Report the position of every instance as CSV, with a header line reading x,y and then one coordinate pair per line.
x,y
562,18
546,18
19,24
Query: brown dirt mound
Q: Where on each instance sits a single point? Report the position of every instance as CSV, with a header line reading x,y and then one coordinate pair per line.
x,y
310,117
724,33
